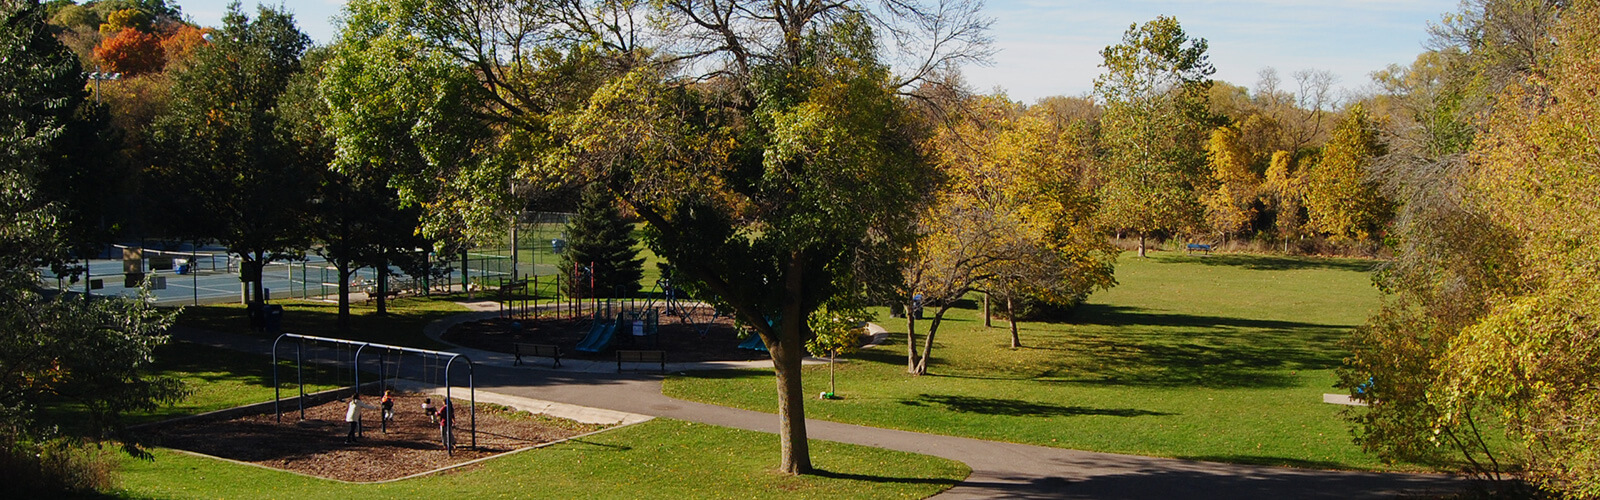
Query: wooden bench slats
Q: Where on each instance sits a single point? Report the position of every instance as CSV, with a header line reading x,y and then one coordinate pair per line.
x,y
641,357
520,349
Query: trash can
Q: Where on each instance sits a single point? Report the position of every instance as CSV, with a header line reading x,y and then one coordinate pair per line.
x,y
273,316
254,311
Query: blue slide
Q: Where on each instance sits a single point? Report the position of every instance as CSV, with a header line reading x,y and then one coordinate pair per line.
x,y
599,337
754,344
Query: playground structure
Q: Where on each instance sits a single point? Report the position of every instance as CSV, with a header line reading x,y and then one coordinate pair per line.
x,y
441,361
639,322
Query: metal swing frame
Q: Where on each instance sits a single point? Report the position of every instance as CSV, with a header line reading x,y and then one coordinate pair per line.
x,y
355,364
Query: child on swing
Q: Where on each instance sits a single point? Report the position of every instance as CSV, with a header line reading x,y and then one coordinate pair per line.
x,y
388,406
427,409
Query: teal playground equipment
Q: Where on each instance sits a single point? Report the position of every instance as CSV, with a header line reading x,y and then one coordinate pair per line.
x,y
637,324
599,338
753,343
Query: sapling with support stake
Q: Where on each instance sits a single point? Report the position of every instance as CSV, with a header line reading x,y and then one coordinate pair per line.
x,y
837,332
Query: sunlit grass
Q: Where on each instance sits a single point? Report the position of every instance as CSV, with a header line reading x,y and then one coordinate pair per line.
x,y
1222,357
658,459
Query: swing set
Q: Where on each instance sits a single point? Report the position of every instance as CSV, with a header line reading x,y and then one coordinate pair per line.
x,y
354,349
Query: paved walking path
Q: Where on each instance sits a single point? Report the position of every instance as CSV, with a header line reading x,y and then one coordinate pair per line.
x,y
999,470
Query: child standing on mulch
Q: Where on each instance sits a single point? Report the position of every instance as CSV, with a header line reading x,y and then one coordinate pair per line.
x,y
352,415
447,417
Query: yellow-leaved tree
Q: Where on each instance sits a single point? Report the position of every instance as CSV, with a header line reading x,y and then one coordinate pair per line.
x,y
1014,217
1537,174
1230,204
1341,198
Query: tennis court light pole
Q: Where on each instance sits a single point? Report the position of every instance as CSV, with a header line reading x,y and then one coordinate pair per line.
x,y
97,76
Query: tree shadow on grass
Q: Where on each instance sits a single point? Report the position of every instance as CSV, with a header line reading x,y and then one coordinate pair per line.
x,y
739,374
1108,315
604,446
1270,461
1273,262
1203,351
883,479
1020,408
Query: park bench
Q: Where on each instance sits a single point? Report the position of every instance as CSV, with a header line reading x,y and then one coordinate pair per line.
x,y
1198,247
642,357
519,350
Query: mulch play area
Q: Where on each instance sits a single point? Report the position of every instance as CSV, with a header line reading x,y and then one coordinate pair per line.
x,y
679,335
315,446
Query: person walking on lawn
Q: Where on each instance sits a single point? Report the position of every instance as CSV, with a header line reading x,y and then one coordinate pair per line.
x,y
352,415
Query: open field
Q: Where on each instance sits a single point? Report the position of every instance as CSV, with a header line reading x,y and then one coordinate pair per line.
x,y
1221,357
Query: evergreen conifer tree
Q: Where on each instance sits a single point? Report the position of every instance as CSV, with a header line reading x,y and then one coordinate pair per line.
x,y
597,235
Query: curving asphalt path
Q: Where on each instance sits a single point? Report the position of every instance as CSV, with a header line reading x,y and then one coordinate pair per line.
x,y
999,470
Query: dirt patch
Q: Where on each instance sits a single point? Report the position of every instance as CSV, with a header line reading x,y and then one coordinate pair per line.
x,y
695,334
316,445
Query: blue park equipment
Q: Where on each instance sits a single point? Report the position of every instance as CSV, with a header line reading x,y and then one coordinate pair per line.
x,y
599,337
754,343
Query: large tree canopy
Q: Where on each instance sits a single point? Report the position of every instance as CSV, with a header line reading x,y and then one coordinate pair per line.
x,y
1155,88
63,349
1484,327
749,135
226,164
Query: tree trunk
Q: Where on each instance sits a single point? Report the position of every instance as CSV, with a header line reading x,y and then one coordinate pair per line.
x,y
833,358
927,348
987,319
787,352
383,283
343,266
911,341
1141,244
465,261
1011,316
260,283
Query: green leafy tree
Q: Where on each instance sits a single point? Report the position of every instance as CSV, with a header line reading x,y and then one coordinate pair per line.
x,y
744,147
358,219
836,332
403,113
601,243
62,350
1155,90
221,160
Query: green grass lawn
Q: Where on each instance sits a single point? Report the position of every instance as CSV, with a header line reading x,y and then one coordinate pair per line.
x,y
663,458
220,378
401,326
1221,357
660,459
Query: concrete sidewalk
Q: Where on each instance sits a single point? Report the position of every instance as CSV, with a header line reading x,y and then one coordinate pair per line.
x,y
999,470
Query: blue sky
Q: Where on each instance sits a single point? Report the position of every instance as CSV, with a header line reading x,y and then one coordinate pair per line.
x,y
1052,47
